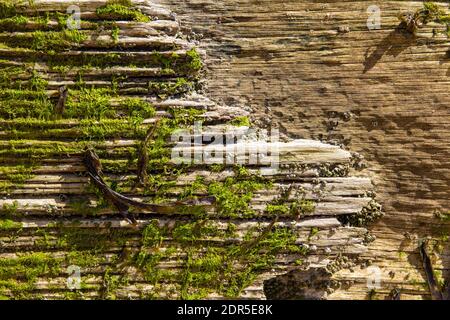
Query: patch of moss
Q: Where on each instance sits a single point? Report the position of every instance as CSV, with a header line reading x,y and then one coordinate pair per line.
x,y
46,41
221,269
111,283
430,12
233,196
10,210
167,89
18,276
302,207
194,61
7,8
18,174
119,11
84,60
89,103
277,209
8,224
13,23
115,34
240,122
443,215
198,186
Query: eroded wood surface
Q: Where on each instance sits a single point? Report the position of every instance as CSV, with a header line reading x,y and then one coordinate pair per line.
x,y
376,92
53,218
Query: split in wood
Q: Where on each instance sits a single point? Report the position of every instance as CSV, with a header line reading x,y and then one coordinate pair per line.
x,y
123,203
60,106
435,290
395,294
143,155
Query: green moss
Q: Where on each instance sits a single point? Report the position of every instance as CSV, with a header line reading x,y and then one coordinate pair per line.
x,y
117,11
313,232
443,215
61,18
36,151
302,207
166,89
98,239
101,113
116,166
85,103
26,109
46,41
186,233
86,129
222,269
298,208
19,275
138,108
7,224
430,12
216,167
108,128
240,122
30,149
194,61
233,196
115,34
17,174
10,74
24,98
198,186
277,209
40,108
152,236
20,22
83,206
13,23
89,103
229,270
111,283
84,60
159,153
7,8
299,262
10,210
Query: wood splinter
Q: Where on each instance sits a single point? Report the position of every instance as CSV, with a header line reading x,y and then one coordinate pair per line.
x,y
123,203
436,293
61,105
395,294
143,155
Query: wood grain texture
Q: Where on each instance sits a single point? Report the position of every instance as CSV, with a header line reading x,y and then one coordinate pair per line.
x,y
237,230
376,92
